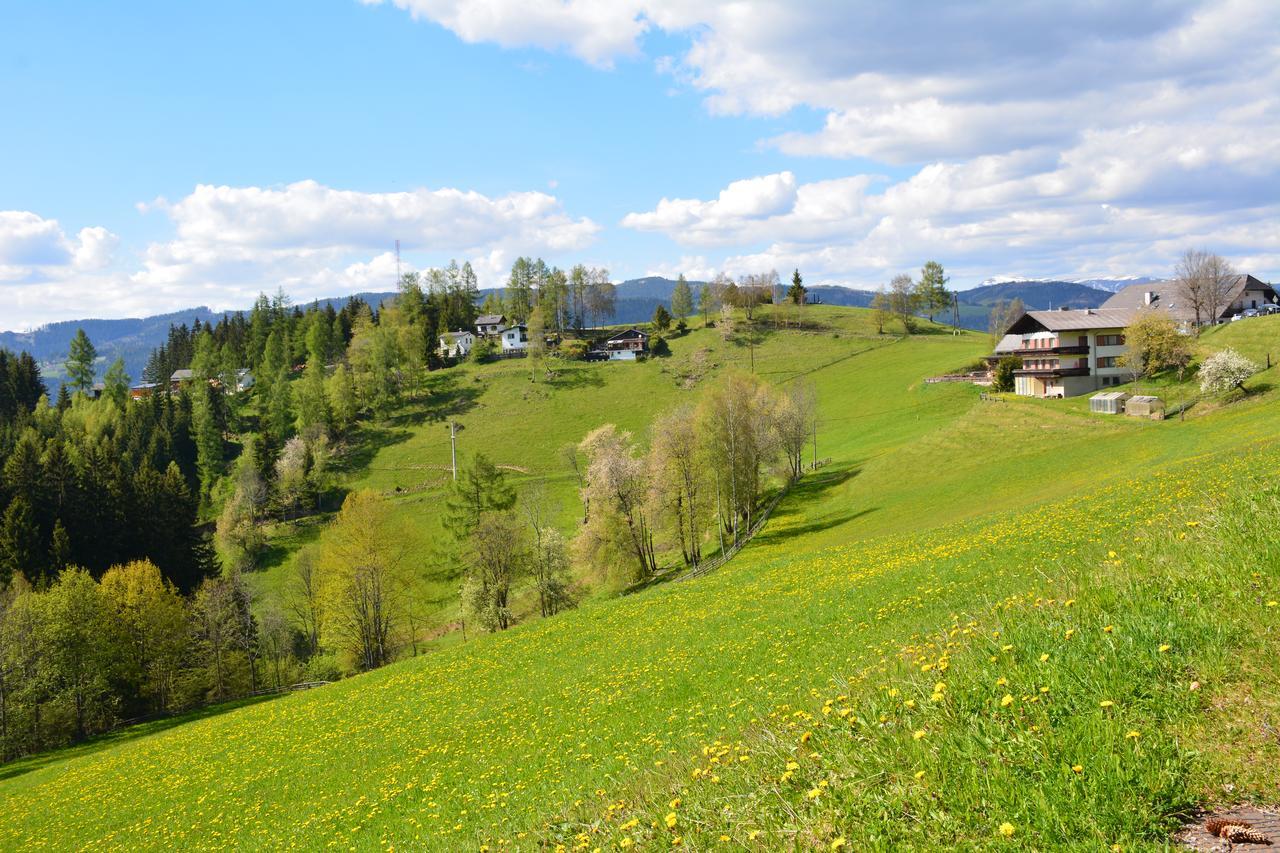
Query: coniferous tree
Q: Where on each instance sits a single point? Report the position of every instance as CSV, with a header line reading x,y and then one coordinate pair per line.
x,y
682,298
80,362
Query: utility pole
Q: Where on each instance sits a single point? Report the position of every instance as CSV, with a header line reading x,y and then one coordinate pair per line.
x,y
453,447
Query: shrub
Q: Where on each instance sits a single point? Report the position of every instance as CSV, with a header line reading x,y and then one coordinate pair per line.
x,y
573,349
1003,378
658,346
1224,371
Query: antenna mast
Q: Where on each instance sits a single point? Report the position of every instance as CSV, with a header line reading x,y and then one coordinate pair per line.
x,y
397,264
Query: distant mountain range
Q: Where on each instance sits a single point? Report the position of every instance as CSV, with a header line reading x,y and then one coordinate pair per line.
x,y
134,339
1111,285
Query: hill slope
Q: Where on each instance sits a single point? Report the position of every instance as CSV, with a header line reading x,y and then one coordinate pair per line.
x,y
937,514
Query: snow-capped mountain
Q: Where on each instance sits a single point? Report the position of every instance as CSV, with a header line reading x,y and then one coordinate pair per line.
x,y
1111,285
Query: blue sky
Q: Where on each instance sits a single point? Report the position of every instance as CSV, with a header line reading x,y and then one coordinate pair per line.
x,y
158,155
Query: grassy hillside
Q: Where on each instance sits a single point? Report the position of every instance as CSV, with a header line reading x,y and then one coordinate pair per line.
x,y
939,520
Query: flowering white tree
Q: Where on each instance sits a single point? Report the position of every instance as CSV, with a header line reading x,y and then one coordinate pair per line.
x,y
1224,371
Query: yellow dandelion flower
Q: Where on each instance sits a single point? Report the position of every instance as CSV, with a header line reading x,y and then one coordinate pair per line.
x,y
1007,829
1076,768
1109,629
1164,647
1135,734
1106,703
919,774
1006,701
671,820
838,844
1001,681
814,793
919,734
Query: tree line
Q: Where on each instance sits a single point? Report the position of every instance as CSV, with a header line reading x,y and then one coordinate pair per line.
x,y
906,298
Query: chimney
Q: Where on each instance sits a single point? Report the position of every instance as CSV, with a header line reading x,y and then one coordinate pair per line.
x,y
1149,296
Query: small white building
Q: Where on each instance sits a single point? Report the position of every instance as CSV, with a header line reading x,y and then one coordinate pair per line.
x,y
456,344
514,338
244,380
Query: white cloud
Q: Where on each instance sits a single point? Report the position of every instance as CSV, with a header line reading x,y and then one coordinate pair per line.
x,y
595,31
1120,201
307,237
229,243
32,247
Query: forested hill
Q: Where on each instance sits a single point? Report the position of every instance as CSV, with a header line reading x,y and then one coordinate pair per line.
x,y
133,339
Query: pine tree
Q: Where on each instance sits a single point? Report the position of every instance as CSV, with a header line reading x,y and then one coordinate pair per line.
x,y
207,436
342,398
682,298
480,488
21,552
116,383
80,359
797,289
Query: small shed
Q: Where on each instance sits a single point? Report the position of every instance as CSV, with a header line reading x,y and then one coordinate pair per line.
x,y
1108,403
1143,406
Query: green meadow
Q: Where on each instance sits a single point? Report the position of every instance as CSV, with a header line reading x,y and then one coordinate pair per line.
x,y
967,601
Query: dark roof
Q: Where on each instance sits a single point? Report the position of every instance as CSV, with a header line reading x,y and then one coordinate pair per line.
x,y
1165,297
1067,321
628,334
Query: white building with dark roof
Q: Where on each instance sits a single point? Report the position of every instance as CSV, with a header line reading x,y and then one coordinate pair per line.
x,y
1068,353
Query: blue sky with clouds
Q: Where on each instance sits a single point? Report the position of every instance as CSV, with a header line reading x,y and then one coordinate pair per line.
x,y
157,155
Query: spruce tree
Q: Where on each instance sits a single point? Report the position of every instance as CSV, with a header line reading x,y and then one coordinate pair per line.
x,y
80,359
682,298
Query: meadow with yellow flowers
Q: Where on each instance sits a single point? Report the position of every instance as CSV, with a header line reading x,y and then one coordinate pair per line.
x,y
1056,662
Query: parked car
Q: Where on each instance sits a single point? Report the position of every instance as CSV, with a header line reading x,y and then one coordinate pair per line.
x,y
1269,309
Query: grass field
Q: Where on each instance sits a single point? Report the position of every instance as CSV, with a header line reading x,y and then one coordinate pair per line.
x,y
674,715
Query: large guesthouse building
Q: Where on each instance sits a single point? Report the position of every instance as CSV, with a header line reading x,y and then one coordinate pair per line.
x,y
1067,353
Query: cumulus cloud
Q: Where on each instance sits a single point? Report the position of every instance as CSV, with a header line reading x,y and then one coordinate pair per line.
x,y
1119,201
33,248
307,237
229,243
594,31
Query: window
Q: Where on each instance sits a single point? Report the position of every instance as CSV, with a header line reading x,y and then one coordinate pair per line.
x,y
1110,340
1107,361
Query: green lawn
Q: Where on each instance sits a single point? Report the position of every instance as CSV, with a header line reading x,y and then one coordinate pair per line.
x,y
937,510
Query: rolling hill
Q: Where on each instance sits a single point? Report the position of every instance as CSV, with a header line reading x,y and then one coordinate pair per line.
x,y
978,623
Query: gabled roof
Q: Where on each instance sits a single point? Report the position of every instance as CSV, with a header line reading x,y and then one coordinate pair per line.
x,y
455,335
626,334
491,319
181,375
1073,320
1009,343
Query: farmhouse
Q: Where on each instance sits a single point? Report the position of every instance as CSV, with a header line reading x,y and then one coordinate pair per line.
x,y
456,344
627,345
1067,353
490,324
142,390
1244,292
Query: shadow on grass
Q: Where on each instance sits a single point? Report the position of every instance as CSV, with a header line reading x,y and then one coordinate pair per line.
x,y
22,766
577,377
449,396
808,492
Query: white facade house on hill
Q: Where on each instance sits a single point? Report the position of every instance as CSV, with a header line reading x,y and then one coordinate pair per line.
x,y
456,344
1067,353
514,338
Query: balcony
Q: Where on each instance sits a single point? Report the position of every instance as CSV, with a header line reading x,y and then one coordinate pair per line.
x,y
1052,372
1062,350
